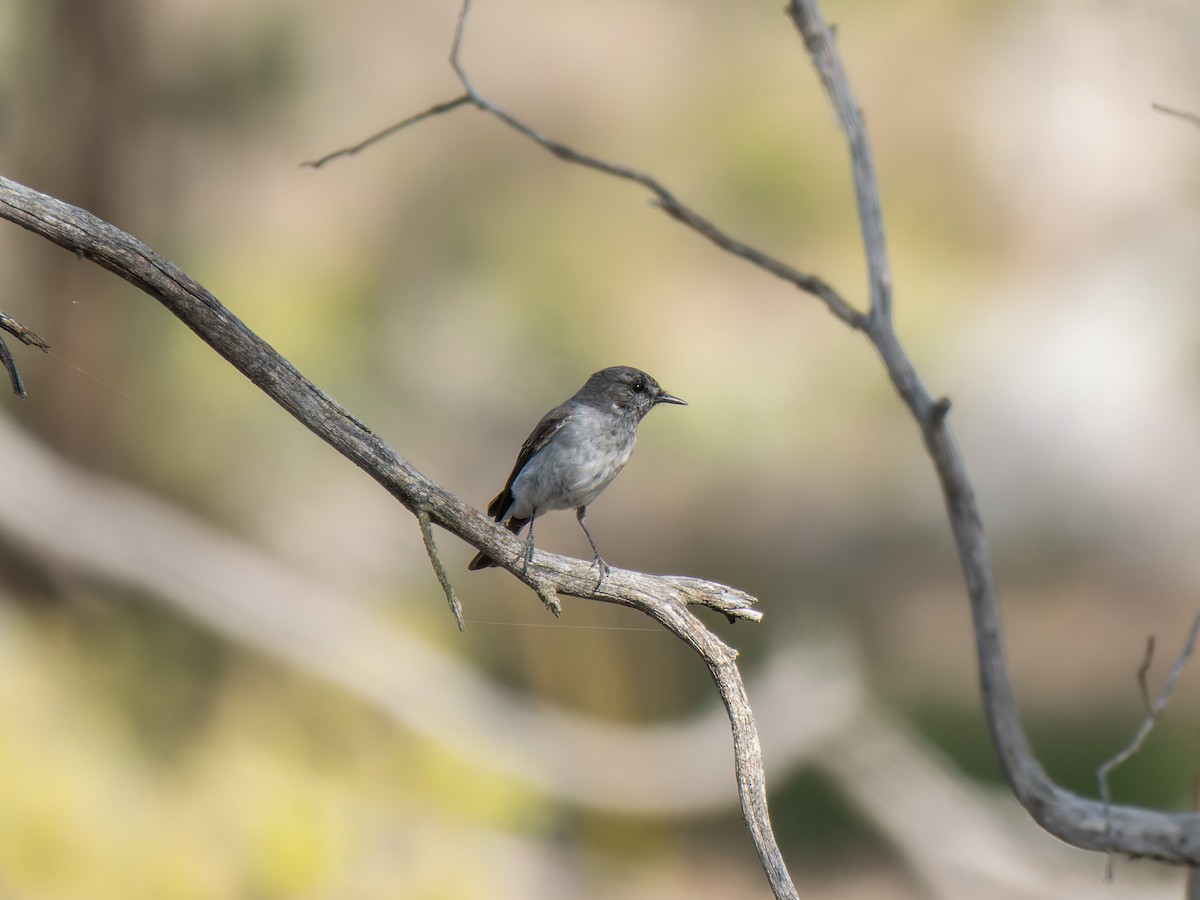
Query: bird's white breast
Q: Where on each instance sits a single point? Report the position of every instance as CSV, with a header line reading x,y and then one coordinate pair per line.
x,y
579,462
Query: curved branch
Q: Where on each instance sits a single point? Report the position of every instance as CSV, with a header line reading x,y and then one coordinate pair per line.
x,y
663,598
1080,821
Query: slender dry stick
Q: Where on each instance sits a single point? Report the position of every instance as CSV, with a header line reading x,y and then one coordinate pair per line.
x,y
1076,820
21,333
436,560
1142,673
1153,710
25,336
436,110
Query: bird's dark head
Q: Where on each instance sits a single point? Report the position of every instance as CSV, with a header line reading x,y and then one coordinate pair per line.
x,y
625,389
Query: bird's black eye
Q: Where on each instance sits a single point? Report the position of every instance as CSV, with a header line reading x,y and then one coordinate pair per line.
x,y
639,386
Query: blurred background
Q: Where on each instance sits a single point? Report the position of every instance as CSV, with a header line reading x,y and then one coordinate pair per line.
x,y
226,668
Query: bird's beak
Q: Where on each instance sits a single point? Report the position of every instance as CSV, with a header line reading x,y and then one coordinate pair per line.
x,y
669,398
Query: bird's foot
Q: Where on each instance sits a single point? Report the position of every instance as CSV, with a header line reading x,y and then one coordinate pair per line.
x,y
527,553
603,567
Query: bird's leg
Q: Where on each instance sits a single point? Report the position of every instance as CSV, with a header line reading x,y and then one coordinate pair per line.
x,y
528,551
597,560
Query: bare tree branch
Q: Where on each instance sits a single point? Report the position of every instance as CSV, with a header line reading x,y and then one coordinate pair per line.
x,y
664,199
21,333
436,110
1080,821
25,336
1142,672
663,598
1076,820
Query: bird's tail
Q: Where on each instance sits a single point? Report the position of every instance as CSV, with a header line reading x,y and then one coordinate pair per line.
x,y
481,559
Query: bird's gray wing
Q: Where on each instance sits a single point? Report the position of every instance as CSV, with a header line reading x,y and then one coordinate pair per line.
x,y
549,426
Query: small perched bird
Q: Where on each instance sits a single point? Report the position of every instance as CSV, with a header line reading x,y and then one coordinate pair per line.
x,y
574,453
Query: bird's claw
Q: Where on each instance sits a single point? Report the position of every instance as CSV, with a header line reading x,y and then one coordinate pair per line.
x,y
602,566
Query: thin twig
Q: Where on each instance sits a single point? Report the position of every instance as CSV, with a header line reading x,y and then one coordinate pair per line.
x,y
439,569
1142,672
21,333
1178,113
435,110
1153,711
25,336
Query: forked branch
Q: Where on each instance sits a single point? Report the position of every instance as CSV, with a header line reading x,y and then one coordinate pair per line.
x,y
1153,709
663,198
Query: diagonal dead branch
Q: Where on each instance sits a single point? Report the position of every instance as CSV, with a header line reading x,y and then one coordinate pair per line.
x,y
21,333
664,199
439,569
663,599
